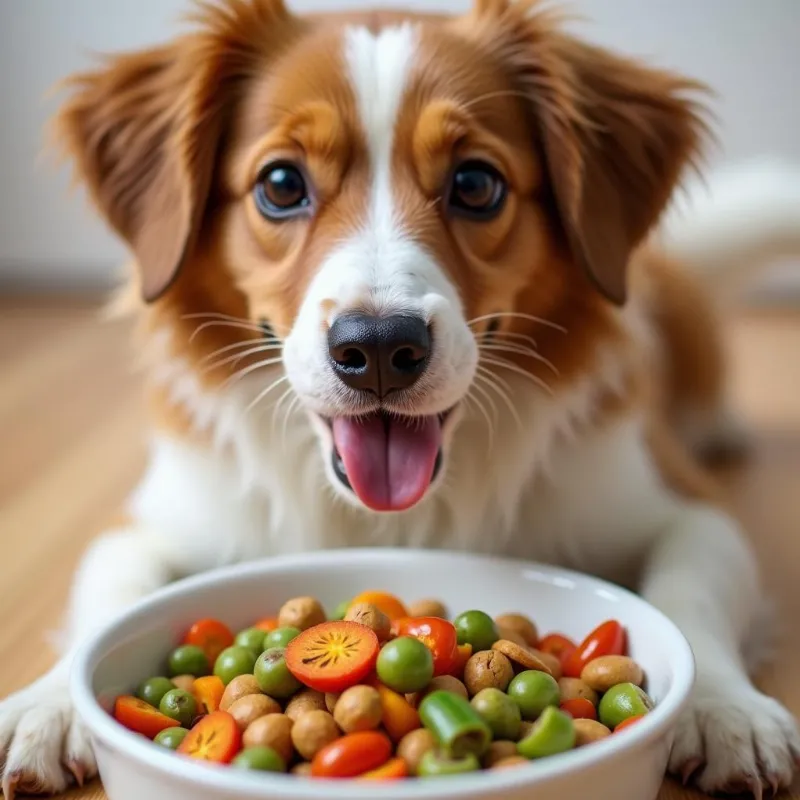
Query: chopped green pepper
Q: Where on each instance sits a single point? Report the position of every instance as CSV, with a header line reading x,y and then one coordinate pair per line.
x,y
434,764
552,733
457,727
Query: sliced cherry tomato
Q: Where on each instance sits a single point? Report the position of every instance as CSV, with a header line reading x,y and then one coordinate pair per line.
x,y
208,692
215,738
211,636
267,624
399,716
626,723
608,639
579,708
463,654
392,770
388,603
438,635
141,717
557,645
352,755
333,656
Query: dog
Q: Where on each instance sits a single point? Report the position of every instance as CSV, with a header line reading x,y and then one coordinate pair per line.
x,y
410,280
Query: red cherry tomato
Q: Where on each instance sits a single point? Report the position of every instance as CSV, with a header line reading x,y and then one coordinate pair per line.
x,y
608,639
215,738
352,755
267,624
579,708
211,636
626,723
463,654
141,717
557,645
438,635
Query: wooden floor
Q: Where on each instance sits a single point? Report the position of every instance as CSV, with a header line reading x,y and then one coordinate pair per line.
x,y
71,434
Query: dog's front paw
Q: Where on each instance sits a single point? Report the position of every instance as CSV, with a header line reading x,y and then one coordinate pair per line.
x,y
43,745
735,740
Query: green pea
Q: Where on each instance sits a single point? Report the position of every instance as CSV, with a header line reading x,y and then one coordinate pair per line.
x,y
433,765
533,692
152,690
552,733
341,610
499,712
171,738
264,759
621,702
405,664
188,660
280,637
476,628
233,662
273,675
179,705
252,639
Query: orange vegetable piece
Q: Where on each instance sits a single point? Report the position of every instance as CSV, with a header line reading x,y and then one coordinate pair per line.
x,y
352,755
463,654
211,636
388,603
333,656
579,708
141,717
267,624
215,738
208,692
392,770
399,716
557,645
626,723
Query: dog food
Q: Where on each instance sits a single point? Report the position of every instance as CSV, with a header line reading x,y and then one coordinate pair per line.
x,y
376,693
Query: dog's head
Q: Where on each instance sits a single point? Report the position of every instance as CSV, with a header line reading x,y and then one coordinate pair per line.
x,y
403,202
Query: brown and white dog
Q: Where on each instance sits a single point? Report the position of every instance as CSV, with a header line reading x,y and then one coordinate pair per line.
x,y
396,286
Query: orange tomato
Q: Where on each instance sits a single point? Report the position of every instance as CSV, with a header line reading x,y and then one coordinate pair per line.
x,y
557,645
608,639
579,708
463,654
352,755
399,716
333,656
626,723
267,624
392,770
211,636
388,603
208,692
438,635
141,717
215,738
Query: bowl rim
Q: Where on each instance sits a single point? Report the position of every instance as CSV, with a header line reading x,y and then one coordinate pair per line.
x,y
259,787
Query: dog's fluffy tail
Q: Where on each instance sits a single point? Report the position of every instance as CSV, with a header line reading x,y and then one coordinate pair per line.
x,y
735,221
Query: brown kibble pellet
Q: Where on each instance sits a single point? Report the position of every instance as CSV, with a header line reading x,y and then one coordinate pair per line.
x,y
303,702
521,625
273,730
525,727
607,671
358,708
413,746
488,669
522,655
572,688
302,613
371,616
240,686
331,699
511,762
246,710
184,682
553,664
428,608
498,751
447,683
312,732
588,731
511,636
303,769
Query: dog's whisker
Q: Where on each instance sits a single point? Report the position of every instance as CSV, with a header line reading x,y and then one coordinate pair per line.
x,y
501,362
490,335
522,351
223,323
504,396
227,349
239,356
518,315
281,400
216,315
491,421
289,411
265,392
242,373
489,374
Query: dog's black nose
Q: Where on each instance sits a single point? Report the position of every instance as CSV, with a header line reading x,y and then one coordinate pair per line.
x,y
379,354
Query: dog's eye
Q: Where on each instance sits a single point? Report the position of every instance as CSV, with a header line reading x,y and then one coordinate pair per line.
x,y
478,190
281,191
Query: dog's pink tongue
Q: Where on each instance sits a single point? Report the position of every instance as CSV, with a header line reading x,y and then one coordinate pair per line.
x,y
389,461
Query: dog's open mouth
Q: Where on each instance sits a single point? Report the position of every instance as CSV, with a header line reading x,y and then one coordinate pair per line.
x,y
388,461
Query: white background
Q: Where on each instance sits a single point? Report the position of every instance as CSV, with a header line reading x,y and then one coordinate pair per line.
x,y
748,50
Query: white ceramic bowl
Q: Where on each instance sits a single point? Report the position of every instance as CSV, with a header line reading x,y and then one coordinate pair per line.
x,y
629,765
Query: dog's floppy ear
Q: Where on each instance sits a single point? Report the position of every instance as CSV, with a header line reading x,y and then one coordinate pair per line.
x,y
144,128
615,135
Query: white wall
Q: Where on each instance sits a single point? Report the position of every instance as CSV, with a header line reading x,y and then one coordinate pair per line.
x,y
749,50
